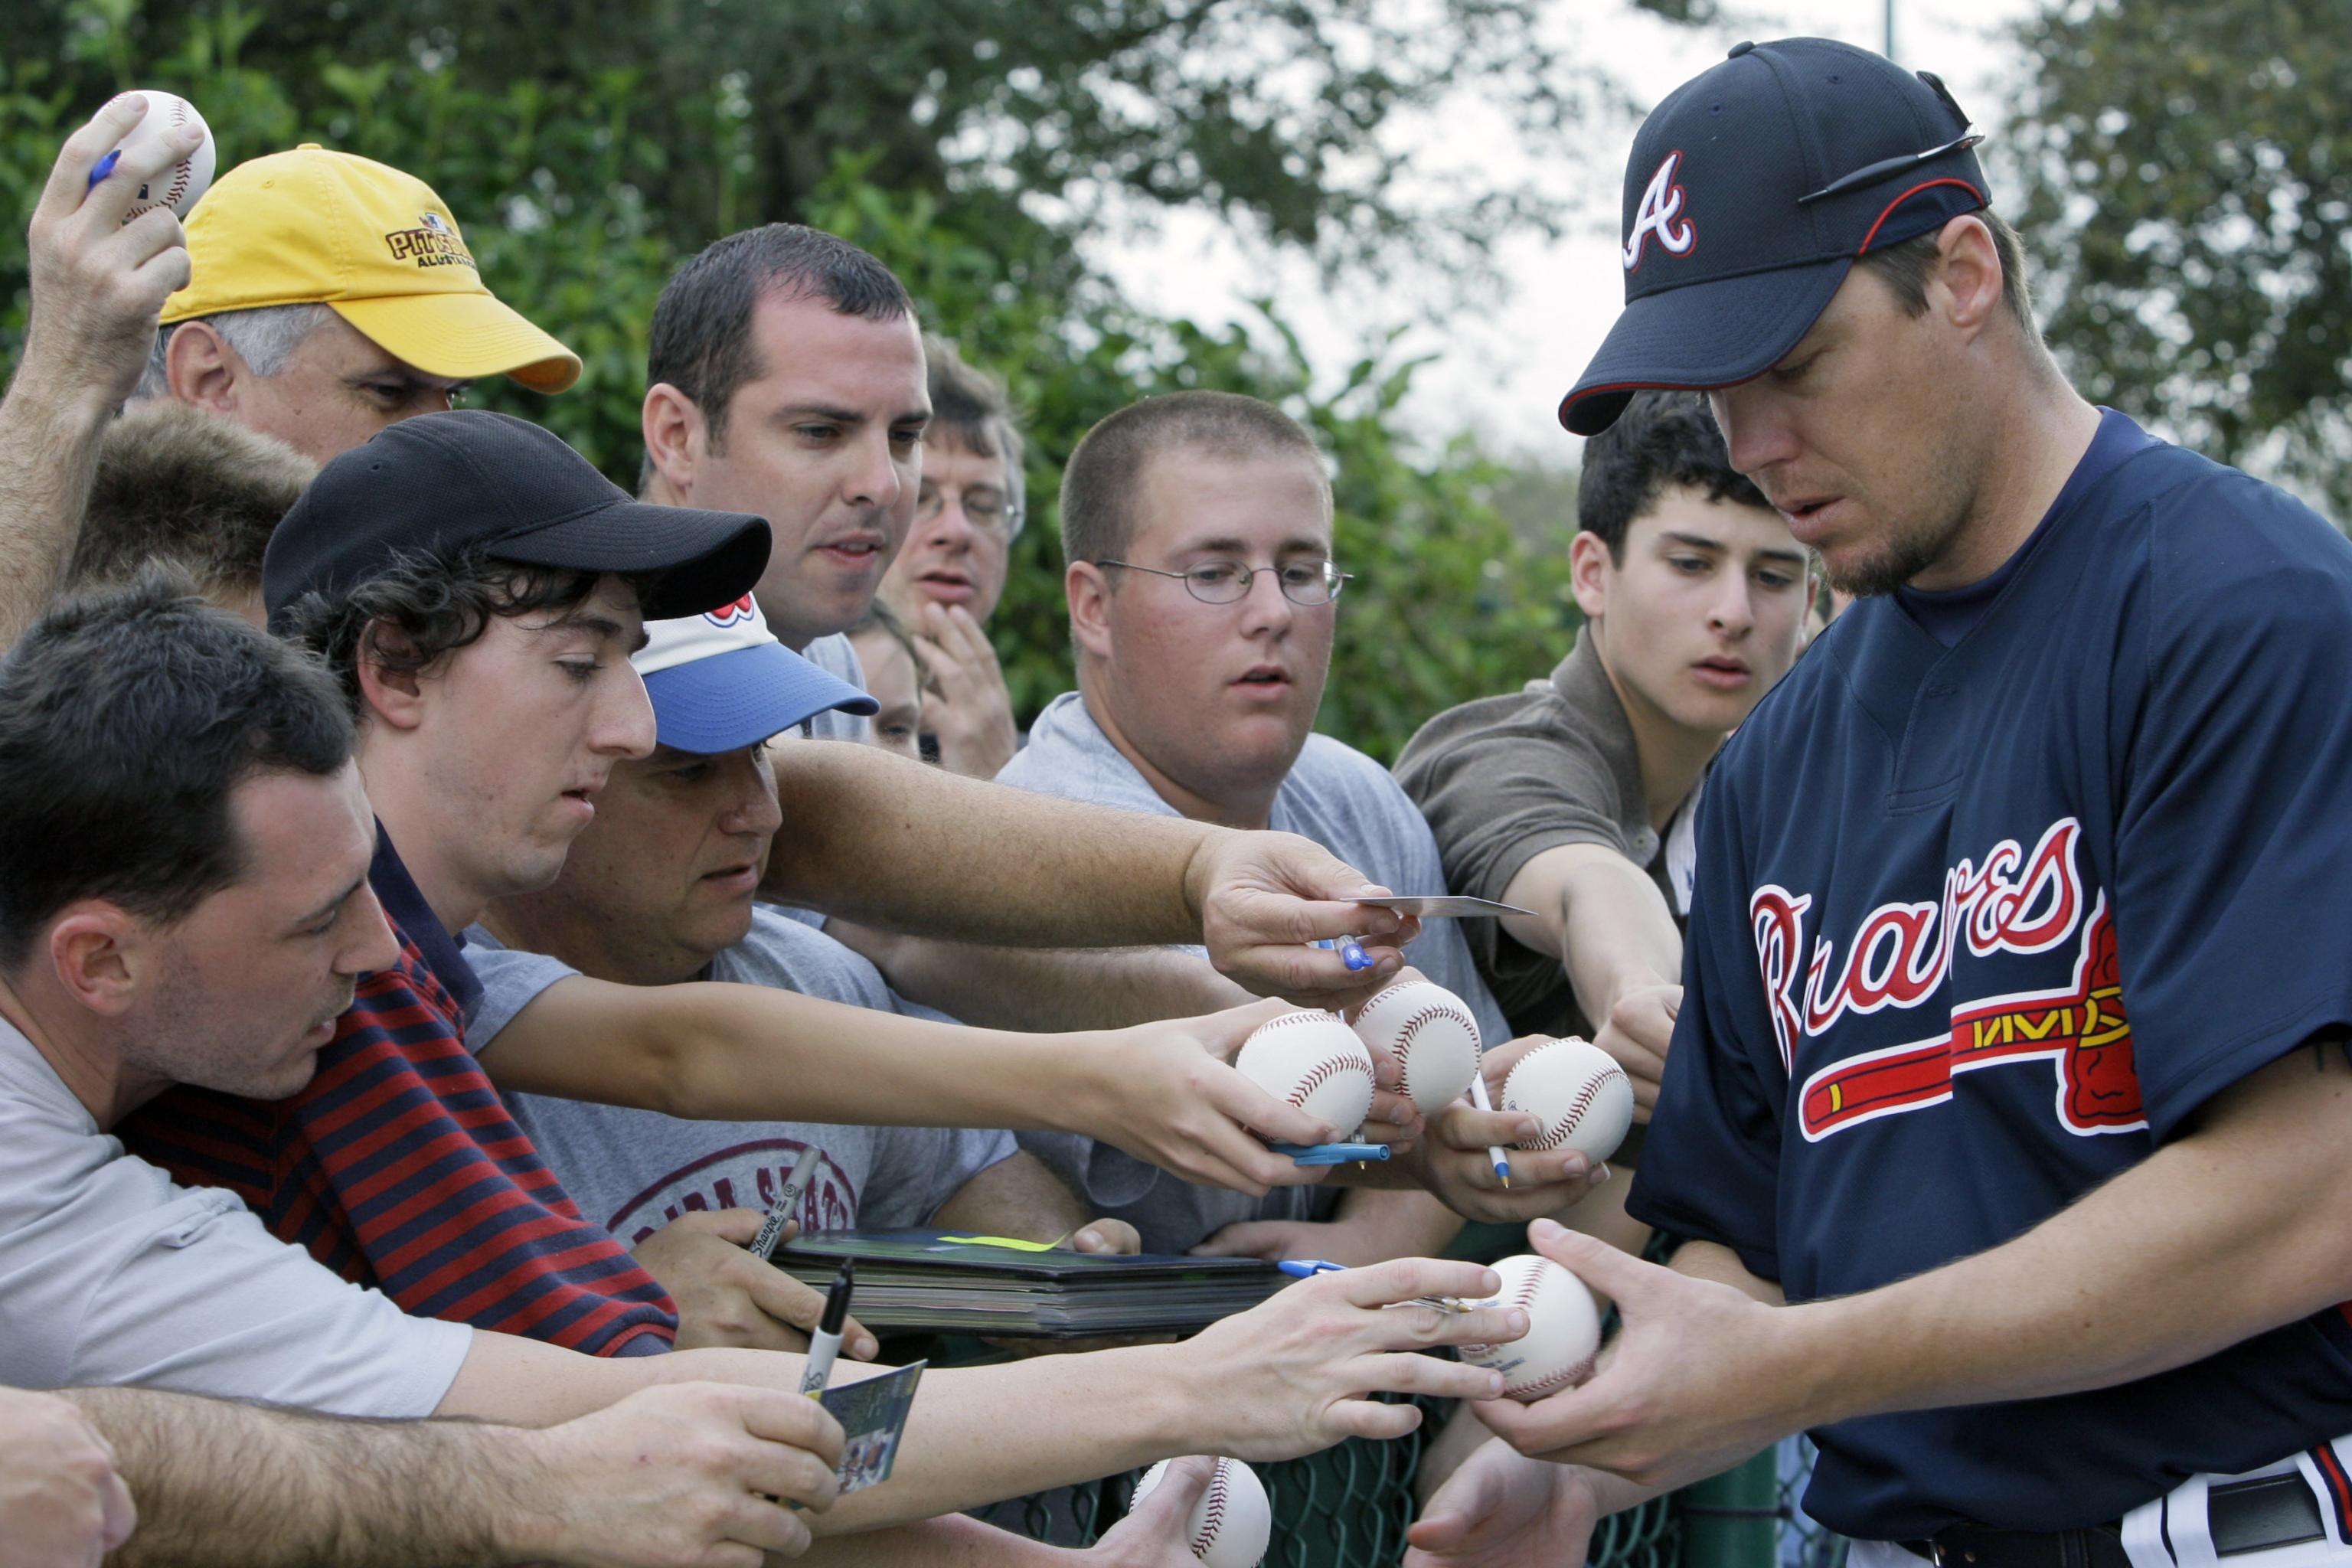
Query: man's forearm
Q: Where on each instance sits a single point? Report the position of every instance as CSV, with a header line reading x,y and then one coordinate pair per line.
x,y
50,429
248,1487
954,1540
895,844
1617,933
1044,988
2215,1237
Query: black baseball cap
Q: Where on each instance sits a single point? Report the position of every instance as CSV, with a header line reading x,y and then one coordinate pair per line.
x,y
1751,190
441,483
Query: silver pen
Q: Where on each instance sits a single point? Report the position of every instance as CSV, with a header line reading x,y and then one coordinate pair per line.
x,y
780,1213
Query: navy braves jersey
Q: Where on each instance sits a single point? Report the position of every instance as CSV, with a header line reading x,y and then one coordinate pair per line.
x,y
1978,927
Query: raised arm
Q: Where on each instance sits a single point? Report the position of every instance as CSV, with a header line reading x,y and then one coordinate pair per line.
x,y
893,843
98,287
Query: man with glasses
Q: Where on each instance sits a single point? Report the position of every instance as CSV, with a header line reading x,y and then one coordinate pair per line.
x,y
946,582
1201,589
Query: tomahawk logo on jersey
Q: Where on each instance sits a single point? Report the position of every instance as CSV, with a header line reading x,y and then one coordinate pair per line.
x,y
1977,927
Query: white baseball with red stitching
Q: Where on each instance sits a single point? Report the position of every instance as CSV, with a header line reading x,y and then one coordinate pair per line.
x,y
1578,1091
1563,1329
178,186
1231,1525
1432,1034
1311,1059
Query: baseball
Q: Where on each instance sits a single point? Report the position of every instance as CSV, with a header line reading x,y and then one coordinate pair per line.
x,y
1312,1061
1432,1034
1563,1329
178,186
1231,1524
1578,1091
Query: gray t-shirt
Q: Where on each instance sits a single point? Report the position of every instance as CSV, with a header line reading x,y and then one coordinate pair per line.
x,y
633,1172
111,1273
1503,779
1334,794
835,656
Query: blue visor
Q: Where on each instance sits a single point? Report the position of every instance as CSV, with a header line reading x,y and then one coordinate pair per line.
x,y
731,701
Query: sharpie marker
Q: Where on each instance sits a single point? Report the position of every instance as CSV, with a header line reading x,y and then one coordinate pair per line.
x,y
780,1213
826,1343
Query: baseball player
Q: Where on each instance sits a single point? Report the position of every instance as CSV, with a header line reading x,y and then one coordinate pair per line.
x,y
2007,1108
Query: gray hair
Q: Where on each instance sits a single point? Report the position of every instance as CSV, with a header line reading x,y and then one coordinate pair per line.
x,y
264,338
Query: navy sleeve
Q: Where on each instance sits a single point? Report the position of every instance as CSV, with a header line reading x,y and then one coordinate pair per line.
x,y
2233,843
1711,1163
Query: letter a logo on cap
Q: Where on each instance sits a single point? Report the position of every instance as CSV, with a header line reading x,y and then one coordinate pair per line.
x,y
1662,204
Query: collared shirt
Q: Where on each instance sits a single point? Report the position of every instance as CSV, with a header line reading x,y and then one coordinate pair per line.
x,y
1503,779
399,1166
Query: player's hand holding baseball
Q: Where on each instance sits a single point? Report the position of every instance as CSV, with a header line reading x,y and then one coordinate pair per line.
x,y
1166,1093
61,1503
688,1473
727,1296
1502,1510
1701,1377
965,703
1263,897
98,283
1155,1533
1290,1377
1454,1162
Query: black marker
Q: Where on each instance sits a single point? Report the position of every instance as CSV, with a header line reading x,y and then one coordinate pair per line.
x,y
826,1343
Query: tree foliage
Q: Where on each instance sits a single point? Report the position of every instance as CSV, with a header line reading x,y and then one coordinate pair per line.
x,y
2187,203
581,183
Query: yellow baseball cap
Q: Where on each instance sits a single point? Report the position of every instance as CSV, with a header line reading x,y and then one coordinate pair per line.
x,y
373,245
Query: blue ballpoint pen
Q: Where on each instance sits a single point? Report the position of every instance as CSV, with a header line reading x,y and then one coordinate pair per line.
x,y
106,165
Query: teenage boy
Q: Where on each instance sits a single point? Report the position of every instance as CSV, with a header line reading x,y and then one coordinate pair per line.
x,y
1576,798
1201,589
2008,1101
658,891
187,900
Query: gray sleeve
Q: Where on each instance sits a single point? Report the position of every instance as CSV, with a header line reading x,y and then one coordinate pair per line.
x,y
115,1275
836,656
1499,785
510,980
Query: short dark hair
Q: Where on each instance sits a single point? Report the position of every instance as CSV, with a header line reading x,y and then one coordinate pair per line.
x,y
434,604
1906,268
129,716
180,486
701,339
972,406
1663,438
1098,486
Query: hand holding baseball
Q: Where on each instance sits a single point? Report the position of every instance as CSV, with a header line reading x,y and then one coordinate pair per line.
x,y
1699,1377
1453,1164
1640,1026
98,282
965,703
1229,1522
1165,1094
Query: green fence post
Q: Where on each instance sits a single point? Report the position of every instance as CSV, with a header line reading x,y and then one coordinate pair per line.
x,y
1734,1519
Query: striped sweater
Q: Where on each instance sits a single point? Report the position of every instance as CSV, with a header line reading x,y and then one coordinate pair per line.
x,y
398,1166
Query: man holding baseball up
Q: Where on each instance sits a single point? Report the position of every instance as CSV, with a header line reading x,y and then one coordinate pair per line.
x,y
2012,1064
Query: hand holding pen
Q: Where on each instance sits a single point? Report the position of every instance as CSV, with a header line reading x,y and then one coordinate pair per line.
x,y
825,1345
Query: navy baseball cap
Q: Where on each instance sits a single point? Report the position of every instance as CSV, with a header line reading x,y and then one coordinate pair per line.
x,y
441,483
720,681
1751,190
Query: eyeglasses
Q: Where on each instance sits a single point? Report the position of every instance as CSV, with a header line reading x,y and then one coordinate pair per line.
x,y
1308,583
985,506
1871,172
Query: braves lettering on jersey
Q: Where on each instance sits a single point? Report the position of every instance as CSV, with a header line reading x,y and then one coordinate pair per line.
x,y
1980,926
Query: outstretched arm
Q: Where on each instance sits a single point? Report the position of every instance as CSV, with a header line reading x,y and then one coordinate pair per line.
x,y
1043,988
893,843
98,287
1606,921
1163,1093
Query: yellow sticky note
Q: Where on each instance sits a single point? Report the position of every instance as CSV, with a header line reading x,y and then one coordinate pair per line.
x,y
1006,1241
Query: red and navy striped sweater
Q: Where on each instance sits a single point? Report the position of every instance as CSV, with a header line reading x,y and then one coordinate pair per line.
x,y
399,1166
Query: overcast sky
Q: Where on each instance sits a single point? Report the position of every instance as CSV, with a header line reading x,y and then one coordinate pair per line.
x,y
1503,366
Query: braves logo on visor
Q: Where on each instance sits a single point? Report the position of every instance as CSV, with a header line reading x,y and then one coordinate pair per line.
x,y
733,615
1661,205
